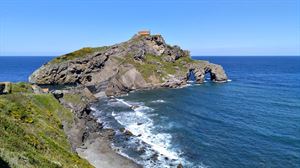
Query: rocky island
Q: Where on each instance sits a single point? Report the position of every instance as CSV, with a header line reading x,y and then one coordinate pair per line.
x,y
145,61
50,119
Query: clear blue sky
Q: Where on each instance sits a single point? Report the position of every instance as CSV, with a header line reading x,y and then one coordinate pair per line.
x,y
205,27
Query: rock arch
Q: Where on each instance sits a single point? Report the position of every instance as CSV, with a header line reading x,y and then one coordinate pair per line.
x,y
216,72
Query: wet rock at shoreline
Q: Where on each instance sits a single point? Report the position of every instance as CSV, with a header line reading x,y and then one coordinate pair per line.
x,y
128,133
179,165
154,157
122,129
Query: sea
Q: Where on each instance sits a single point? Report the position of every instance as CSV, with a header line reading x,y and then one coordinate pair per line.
x,y
253,120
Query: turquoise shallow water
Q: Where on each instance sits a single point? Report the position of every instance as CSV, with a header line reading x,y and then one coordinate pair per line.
x,y
252,121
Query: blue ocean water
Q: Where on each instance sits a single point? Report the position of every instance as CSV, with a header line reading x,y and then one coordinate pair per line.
x,y
18,68
252,121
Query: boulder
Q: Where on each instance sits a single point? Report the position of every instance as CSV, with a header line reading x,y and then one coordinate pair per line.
x,y
179,165
128,133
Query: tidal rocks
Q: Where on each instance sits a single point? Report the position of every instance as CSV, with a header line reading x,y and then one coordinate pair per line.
x,y
142,62
179,165
126,132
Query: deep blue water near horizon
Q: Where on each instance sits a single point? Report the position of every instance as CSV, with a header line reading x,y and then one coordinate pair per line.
x,y
18,68
252,121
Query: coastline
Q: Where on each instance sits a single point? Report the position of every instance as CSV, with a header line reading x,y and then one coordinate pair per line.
x,y
136,140
99,153
81,135
98,143
88,137
82,77
245,86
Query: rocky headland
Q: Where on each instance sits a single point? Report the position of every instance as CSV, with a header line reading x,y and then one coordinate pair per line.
x,y
143,62
65,88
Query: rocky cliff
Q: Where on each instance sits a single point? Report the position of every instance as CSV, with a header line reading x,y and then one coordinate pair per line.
x,y
139,63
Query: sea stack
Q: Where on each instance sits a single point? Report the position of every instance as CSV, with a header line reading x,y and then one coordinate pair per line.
x,y
144,61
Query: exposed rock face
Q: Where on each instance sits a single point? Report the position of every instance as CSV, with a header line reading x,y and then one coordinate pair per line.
x,y
127,81
5,87
216,73
139,63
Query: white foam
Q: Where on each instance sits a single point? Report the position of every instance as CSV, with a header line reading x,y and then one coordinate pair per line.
x,y
93,109
143,109
159,142
158,101
187,85
138,113
122,101
229,80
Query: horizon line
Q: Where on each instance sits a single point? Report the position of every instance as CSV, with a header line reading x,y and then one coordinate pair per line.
x,y
191,56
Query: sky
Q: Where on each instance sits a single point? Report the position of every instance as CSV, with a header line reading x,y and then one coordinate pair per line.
x,y
205,27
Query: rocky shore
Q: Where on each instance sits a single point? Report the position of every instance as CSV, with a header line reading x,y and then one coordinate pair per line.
x,y
143,62
86,135
80,78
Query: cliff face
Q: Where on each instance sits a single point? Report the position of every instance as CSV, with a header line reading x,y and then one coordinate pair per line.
x,y
139,63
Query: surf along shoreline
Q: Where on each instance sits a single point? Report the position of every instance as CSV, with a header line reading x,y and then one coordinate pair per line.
x,y
143,62
93,141
88,137
135,137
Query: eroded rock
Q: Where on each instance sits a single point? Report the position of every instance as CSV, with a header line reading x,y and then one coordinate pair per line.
x,y
140,63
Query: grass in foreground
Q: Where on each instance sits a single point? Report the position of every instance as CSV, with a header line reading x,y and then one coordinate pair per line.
x,y
32,133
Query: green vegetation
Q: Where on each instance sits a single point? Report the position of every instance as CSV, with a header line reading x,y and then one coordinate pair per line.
x,y
21,87
32,133
77,54
75,99
155,65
